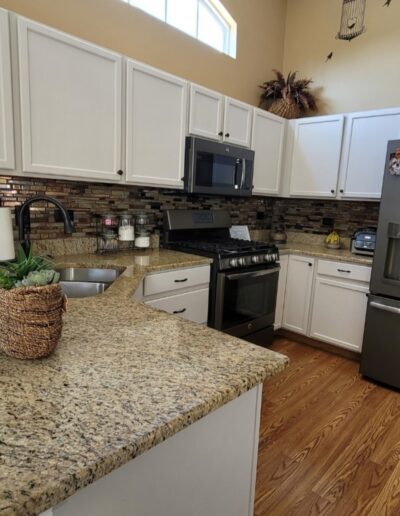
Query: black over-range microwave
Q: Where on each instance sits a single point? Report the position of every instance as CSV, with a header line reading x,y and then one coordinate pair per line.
x,y
217,168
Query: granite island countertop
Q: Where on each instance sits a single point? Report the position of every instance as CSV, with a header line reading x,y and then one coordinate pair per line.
x,y
123,378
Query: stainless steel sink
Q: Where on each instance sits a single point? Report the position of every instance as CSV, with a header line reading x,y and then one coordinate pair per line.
x,y
83,288
86,282
87,274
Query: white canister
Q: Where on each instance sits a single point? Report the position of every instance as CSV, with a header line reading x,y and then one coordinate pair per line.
x,y
7,251
142,241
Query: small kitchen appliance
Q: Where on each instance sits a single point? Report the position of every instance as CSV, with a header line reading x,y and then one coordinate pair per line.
x,y
363,241
244,274
217,168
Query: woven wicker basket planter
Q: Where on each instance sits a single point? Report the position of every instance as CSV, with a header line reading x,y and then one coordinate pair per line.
x,y
30,321
286,108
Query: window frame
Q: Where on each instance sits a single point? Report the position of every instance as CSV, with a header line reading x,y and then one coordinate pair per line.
x,y
218,11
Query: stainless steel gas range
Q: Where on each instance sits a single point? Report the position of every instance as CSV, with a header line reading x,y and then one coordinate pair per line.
x,y
244,274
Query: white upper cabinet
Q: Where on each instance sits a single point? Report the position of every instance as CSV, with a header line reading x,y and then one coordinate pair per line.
x,y
213,116
364,151
267,142
155,127
237,122
70,105
206,112
315,158
7,159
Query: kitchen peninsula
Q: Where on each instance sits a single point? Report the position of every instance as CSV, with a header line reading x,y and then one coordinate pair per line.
x,y
124,378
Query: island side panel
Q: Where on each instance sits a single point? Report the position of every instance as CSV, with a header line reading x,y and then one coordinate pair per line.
x,y
209,468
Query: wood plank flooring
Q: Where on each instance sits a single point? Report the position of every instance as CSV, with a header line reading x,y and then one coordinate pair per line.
x,y
329,440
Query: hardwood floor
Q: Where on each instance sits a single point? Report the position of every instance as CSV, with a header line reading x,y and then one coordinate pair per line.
x,y
329,440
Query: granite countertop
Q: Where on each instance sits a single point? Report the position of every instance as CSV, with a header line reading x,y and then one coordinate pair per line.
x,y
320,251
123,378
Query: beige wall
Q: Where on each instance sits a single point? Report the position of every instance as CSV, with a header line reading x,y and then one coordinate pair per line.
x,y
118,26
363,74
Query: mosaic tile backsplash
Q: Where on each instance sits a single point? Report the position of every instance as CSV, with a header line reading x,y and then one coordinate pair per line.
x,y
88,199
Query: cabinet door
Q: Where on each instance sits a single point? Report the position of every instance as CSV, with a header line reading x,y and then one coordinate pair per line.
x,y
338,315
280,298
364,152
316,156
70,105
155,127
7,158
192,306
205,113
237,122
298,294
268,140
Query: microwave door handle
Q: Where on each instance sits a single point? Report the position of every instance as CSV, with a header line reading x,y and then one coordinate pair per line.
x,y
236,185
243,173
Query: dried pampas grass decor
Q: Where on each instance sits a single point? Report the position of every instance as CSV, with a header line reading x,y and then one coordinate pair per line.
x,y
288,97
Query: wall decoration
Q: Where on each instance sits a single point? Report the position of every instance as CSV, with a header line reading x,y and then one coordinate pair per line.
x,y
394,163
288,97
329,57
352,20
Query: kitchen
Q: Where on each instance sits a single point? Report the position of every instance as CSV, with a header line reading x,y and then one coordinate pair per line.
x,y
127,156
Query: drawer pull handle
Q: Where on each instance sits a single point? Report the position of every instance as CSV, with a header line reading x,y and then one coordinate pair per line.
x,y
179,311
180,280
344,270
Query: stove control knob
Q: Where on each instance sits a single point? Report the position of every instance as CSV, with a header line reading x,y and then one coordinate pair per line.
x,y
254,259
267,257
242,261
233,262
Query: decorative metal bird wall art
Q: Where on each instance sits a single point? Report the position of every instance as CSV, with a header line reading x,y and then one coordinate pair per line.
x,y
352,21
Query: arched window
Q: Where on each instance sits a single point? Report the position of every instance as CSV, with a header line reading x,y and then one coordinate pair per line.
x,y
206,20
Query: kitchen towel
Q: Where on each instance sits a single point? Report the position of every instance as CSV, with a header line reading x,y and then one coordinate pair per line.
x,y
7,251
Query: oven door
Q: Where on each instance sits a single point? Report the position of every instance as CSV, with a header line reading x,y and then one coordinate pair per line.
x,y
245,301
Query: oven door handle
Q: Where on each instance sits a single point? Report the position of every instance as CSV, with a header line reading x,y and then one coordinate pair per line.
x,y
386,308
252,274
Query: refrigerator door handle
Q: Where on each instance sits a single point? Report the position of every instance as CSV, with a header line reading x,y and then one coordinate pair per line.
x,y
386,308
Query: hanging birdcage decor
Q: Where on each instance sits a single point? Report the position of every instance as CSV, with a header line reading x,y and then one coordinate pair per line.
x,y
352,22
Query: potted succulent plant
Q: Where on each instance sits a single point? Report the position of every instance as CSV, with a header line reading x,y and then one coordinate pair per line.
x,y
31,306
288,97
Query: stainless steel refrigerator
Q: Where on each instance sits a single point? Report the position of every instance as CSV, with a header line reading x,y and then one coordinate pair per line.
x,y
380,358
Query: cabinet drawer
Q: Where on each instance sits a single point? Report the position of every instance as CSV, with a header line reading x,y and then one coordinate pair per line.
x,y
344,270
176,279
192,306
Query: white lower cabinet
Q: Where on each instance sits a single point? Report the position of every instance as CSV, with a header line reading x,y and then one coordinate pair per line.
x,y
323,299
192,306
338,314
182,292
298,294
280,298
